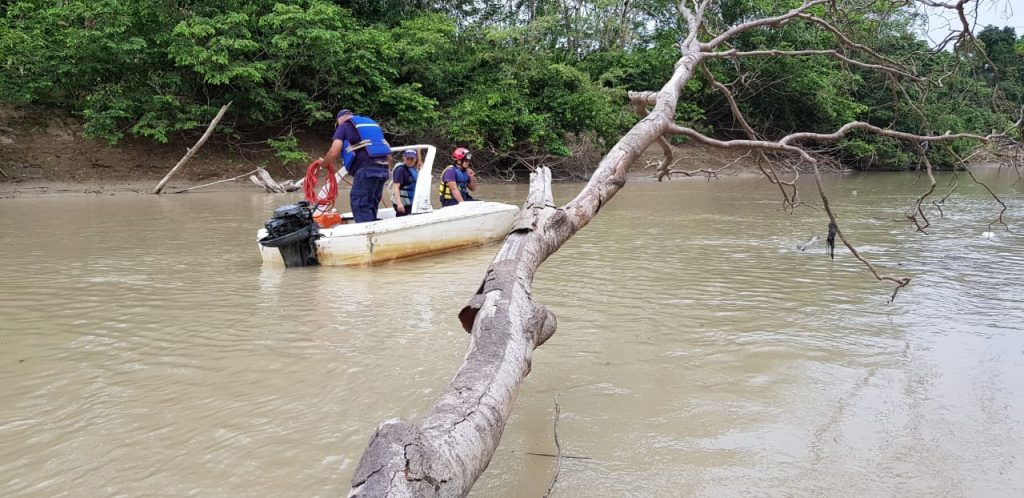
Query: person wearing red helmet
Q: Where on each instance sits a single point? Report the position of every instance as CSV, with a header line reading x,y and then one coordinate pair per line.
x,y
458,179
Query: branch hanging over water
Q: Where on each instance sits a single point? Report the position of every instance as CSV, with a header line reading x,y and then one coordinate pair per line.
x,y
449,449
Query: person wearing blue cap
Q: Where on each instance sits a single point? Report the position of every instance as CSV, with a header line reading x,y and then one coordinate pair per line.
x,y
403,182
363,138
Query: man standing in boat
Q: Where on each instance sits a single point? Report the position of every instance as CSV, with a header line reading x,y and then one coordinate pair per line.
x,y
369,168
458,179
403,182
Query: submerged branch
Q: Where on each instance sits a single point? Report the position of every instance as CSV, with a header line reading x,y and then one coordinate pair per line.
x,y
449,449
558,447
900,282
931,188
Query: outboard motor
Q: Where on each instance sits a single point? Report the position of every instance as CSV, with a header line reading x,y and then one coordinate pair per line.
x,y
293,231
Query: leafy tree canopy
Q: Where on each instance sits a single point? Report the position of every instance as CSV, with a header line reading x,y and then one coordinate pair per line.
x,y
515,77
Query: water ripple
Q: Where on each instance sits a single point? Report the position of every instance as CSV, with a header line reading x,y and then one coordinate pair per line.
x,y
699,352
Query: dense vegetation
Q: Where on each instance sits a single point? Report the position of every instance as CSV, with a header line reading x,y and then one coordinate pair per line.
x,y
520,77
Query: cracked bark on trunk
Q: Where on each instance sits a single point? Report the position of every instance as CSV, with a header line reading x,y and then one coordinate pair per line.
x,y
446,453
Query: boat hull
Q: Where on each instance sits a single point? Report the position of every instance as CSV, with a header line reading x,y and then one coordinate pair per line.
x,y
456,227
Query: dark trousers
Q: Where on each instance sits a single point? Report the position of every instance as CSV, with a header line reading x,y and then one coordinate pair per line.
x,y
367,187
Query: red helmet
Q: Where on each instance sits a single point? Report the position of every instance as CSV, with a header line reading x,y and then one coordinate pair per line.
x,y
462,153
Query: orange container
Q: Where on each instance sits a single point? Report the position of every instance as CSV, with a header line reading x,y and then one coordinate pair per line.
x,y
327,220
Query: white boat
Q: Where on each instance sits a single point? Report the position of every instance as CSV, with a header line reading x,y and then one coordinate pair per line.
x,y
426,231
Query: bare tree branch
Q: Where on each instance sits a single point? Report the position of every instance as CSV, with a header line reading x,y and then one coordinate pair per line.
x,y
999,217
788,201
860,125
767,21
844,40
724,90
738,144
640,107
931,188
710,173
447,451
733,53
900,282
783,145
954,183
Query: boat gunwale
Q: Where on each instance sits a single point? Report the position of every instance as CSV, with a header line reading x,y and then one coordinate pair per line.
x,y
416,221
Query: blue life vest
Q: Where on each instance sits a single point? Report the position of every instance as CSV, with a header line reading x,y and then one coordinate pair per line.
x,y
407,191
346,156
371,136
461,181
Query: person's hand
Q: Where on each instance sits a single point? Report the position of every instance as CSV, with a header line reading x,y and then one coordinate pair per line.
x,y
400,208
470,172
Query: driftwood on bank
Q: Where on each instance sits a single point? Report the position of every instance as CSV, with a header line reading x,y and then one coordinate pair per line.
x,y
271,186
192,151
449,449
216,182
263,179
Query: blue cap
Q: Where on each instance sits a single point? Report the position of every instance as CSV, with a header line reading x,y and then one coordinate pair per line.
x,y
409,153
342,113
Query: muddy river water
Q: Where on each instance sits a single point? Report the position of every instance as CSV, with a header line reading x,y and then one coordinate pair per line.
x,y
145,351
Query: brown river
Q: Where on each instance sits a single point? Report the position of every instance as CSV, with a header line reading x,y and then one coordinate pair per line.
x,y
145,351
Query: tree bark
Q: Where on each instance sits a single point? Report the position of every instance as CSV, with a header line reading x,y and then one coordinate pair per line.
x,y
263,179
191,152
446,453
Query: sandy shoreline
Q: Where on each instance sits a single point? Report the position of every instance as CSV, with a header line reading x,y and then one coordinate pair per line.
x,y
38,188
47,188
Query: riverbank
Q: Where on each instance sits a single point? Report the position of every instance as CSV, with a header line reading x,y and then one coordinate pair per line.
x,y
46,153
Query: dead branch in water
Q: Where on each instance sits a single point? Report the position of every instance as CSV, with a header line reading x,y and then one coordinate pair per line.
x,y
558,447
919,212
446,452
217,182
192,151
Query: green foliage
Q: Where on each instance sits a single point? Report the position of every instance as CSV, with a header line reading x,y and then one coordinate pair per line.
x,y
527,101
151,68
1006,53
518,77
642,68
287,149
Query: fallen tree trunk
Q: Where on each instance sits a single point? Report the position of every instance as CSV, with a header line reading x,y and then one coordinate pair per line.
x,y
192,151
446,453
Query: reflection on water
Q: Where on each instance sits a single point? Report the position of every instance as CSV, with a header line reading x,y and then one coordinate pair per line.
x,y
145,351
